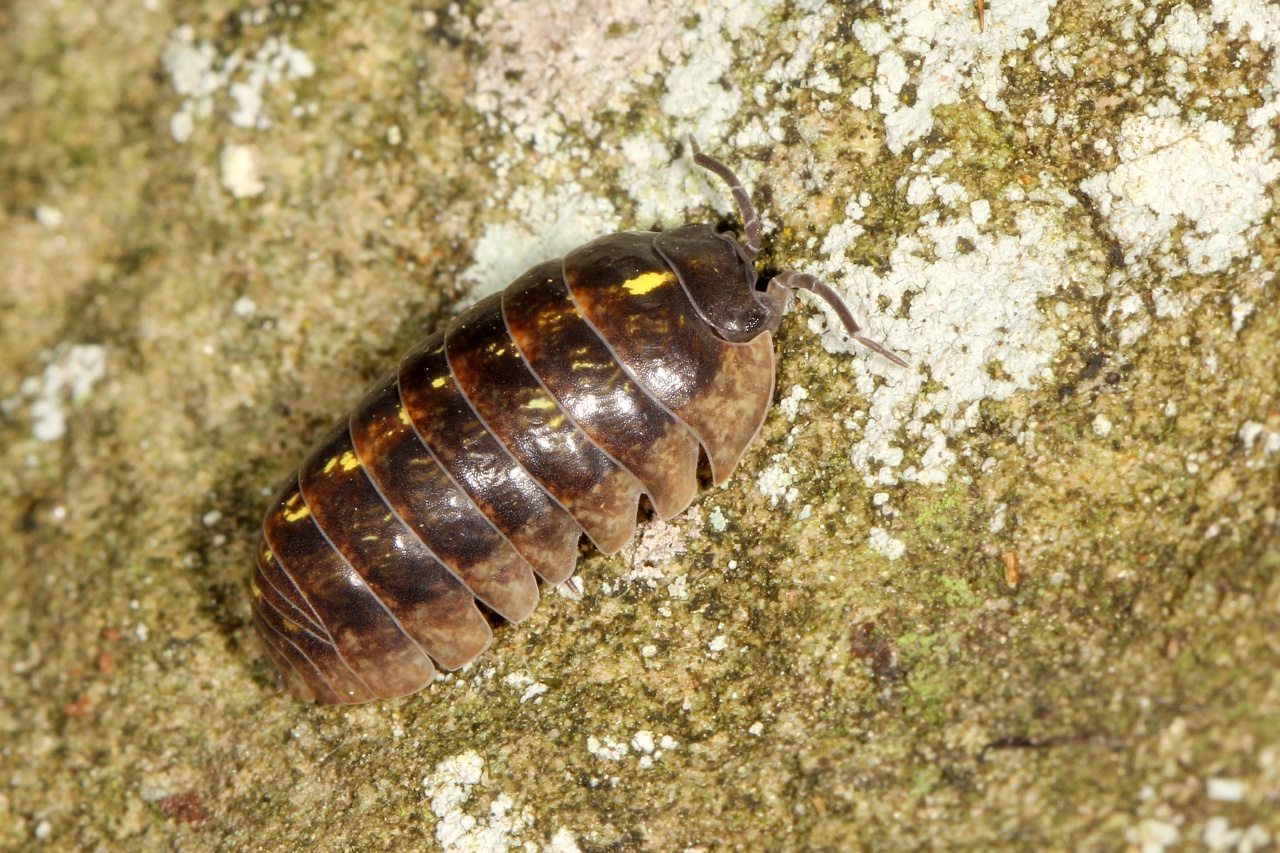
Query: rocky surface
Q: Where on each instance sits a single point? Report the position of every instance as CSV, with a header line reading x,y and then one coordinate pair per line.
x,y
1022,594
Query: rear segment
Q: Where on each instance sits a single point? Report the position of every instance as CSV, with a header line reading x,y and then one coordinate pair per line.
x,y
354,649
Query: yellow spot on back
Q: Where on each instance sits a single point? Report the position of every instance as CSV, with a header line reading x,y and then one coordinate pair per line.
x,y
645,282
297,514
540,404
349,461
404,417
438,382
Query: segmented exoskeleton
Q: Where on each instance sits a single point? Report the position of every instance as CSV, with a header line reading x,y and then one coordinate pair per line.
x,y
540,414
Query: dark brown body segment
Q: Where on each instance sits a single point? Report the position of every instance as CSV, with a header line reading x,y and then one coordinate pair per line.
x,y
537,526
426,599
367,638
578,369
601,496
443,517
634,300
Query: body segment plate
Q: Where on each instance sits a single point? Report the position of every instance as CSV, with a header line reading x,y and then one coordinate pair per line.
x,y
443,517
578,369
633,299
599,494
540,529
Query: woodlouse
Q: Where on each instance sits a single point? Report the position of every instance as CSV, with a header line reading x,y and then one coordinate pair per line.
x,y
540,414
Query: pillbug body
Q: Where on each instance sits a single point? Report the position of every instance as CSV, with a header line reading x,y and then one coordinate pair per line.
x,y
540,414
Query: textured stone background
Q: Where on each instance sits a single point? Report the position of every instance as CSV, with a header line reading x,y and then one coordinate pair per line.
x,y
1023,594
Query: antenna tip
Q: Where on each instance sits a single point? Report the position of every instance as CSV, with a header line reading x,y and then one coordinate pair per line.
x,y
875,346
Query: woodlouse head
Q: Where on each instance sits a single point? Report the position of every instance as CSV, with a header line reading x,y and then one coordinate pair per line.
x,y
720,280
719,274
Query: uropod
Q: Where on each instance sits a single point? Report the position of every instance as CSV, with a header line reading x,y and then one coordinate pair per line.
x,y
540,414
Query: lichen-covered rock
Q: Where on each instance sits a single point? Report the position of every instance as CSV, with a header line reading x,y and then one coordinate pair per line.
x,y
1021,594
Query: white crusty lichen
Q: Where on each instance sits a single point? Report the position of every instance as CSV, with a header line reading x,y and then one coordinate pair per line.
x,y
240,171
885,545
974,329
199,74
949,57
469,818
1191,189
775,481
643,743
553,68
70,376
1173,175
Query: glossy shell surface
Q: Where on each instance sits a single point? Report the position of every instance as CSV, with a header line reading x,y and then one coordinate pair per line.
x,y
539,415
